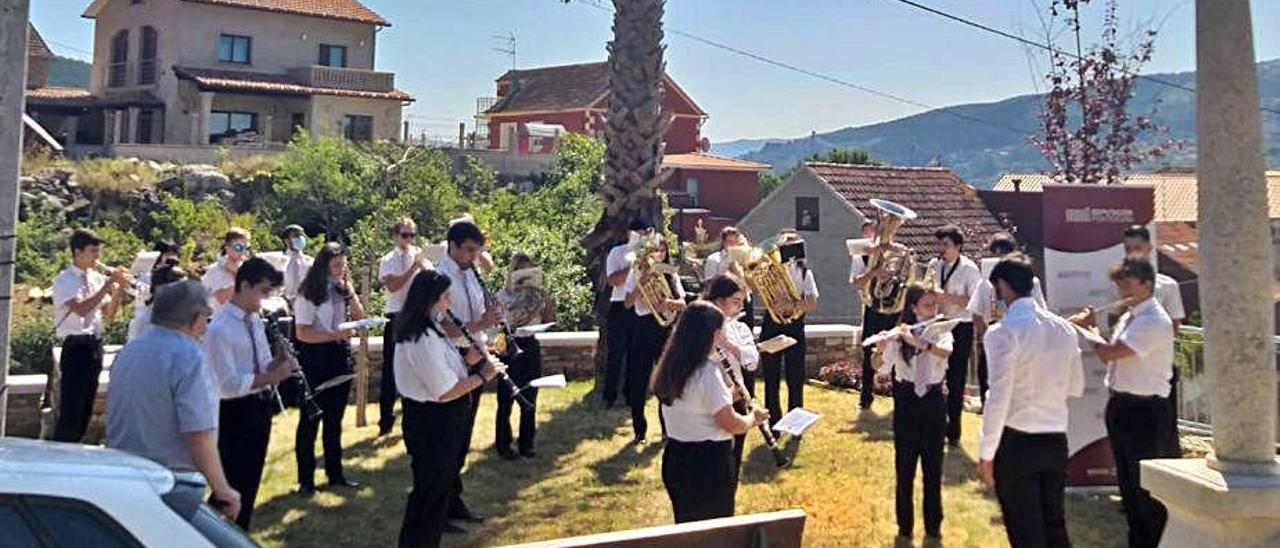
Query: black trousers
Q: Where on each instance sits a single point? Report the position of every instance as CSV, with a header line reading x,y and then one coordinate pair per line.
x,y
621,322
647,341
790,362
387,393
1139,429
457,507
740,441
80,365
919,426
699,478
957,378
983,385
1031,476
321,362
433,435
243,436
521,370
872,323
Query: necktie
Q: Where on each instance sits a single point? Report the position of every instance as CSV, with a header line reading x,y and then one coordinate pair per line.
x,y
292,272
86,289
920,374
253,343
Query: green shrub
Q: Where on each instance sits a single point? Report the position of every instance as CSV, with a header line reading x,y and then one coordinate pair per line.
x,y
40,248
32,343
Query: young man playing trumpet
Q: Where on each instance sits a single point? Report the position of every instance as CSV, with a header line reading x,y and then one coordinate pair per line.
x,y
82,298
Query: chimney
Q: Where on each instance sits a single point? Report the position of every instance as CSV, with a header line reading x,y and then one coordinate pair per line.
x,y
1017,185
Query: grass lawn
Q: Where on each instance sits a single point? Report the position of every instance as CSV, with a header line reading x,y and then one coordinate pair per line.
x,y
588,478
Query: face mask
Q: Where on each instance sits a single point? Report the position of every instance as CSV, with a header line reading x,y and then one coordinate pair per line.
x,y
299,242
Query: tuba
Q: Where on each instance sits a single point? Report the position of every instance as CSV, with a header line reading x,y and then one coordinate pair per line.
x,y
888,295
766,274
651,279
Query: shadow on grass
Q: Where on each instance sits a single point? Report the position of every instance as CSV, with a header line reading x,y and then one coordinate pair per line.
x,y
613,470
870,426
759,466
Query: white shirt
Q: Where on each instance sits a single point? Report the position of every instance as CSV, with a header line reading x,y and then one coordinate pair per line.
x,y
805,282
856,267
75,284
427,367
294,272
963,281
715,264
1148,331
217,279
395,263
931,367
140,322
1169,293
738,333
985,303
230,352
1033,365
466,297
325,316
641,308
620,258
691,417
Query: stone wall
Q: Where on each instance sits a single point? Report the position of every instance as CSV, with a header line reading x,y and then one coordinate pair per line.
x,y
570,353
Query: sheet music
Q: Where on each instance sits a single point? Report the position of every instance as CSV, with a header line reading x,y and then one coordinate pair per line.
x,y
776,344
367,323
534,329
797,421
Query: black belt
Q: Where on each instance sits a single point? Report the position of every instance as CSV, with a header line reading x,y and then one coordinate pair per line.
x,y
261,395
81,339
1116,394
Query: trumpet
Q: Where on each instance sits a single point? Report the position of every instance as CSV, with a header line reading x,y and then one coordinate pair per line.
x,y
131,289
769,440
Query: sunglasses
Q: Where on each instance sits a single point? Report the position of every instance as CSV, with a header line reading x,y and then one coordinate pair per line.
x,y
240,248
408,234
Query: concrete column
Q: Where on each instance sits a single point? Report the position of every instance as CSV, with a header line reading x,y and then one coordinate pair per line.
x,y
13,62
70,125
117,129
1231,498
266,129
206,111
133,125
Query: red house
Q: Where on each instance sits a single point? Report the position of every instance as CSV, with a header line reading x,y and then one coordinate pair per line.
x,y
534,103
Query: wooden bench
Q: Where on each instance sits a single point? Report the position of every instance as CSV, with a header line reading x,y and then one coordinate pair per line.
x,y
783,529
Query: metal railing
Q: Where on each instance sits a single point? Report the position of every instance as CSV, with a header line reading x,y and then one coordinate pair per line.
x,y
344,78
1193,384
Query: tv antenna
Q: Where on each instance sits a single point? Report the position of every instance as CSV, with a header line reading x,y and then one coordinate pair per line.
x,y
507,45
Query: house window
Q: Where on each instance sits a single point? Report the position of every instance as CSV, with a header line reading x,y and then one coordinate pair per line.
x,y
226,124
147,126
234,49
118,70
297,121
358,128
333,56
691,187
807,214
147,57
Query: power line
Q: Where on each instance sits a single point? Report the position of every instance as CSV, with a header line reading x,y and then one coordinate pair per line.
x,y
828,78
1045,47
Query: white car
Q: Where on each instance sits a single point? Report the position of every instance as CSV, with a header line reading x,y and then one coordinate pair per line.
x,y
70,495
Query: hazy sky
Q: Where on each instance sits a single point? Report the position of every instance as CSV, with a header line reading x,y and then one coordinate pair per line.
x,y
442,53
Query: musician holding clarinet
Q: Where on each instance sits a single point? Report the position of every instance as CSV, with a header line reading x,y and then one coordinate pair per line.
x,y
325,300
917,365
82,298
697,404
245,374
739,350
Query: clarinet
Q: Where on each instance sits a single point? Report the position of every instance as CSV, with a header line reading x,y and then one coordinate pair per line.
x,y
306,400
513,348
778,458
502,376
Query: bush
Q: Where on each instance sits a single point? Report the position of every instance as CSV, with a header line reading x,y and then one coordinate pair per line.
x,y
40,248
841,374
32,345
114,174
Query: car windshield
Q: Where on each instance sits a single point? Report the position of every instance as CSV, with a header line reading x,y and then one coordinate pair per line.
x,y
187,500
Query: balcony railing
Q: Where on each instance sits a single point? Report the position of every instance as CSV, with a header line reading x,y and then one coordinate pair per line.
x,y
138,73
344,78
117,75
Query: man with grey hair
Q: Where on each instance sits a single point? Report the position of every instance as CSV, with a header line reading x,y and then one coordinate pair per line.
x,y
162,404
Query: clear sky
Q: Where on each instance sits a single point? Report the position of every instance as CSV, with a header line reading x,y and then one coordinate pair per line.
x,y
442,52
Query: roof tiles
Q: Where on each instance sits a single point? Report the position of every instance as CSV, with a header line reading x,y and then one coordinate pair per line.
x,y
279,84
345,10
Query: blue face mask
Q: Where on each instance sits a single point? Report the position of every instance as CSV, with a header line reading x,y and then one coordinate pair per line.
x,y
299,242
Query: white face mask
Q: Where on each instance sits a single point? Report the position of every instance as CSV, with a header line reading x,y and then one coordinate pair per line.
x,y
299,242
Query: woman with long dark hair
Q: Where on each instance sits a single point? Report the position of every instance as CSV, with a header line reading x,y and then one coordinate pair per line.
x,y
432,378
326,300
647,340
697,403
918,366
727,293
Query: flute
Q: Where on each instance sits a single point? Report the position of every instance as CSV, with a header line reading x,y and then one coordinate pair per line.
x,y
502,375
894,333
778,457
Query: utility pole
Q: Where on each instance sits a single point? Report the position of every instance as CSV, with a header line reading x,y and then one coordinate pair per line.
x,y
13,61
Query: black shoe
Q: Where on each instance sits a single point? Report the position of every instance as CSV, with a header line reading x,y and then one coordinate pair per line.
x,y
639,439
508,454
345,484
384,430
452,528
954,444
307,491
528,453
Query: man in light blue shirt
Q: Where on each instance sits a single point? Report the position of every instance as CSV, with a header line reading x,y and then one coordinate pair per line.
x,y
161,403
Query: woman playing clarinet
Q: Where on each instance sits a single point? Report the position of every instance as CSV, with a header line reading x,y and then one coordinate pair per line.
x,y
918,366
697,462
727,294
433,379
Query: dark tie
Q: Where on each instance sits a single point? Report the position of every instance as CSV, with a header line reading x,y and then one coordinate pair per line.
x,y
253,343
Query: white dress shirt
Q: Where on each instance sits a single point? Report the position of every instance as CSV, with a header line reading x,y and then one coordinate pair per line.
x,y
715,264
295,270
1034,365
217,279
691,417
962,278
857,265
1169,293
925,368
739,334
804,281
620,258
985,303
395,263
1148,331
236,349
641,308
466,297
75,284
427,367
325,316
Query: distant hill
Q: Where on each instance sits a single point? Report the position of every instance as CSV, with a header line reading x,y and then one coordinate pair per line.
x,y
69,73
734,149
980,152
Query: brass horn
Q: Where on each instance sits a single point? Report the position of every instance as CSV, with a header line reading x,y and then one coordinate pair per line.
x,y
888,294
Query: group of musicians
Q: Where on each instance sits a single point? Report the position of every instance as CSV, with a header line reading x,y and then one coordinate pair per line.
x,y
437,360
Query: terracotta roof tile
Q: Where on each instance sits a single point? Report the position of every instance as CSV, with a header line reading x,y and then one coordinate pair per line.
x,y
1179,242
345,10
937,195
276,84
1176,198
60,97
565,87
35,43
702,160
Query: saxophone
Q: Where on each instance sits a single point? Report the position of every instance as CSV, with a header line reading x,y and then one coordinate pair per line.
x,y
888,295
766,275
651,279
